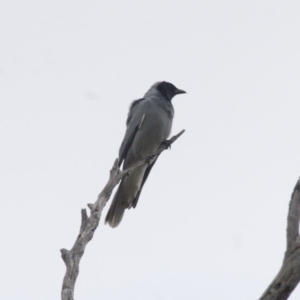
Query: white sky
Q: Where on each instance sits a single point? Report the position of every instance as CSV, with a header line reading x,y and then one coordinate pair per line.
x,y
211,220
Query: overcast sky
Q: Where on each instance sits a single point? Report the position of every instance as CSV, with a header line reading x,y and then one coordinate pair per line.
x,y
210,223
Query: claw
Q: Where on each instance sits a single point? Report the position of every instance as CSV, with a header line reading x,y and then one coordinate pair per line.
x,y
149,158
167,143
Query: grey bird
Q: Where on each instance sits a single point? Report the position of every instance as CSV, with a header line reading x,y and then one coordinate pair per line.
x,y
149,124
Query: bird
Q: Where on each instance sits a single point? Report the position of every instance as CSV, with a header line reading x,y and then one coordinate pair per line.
x,y
148,124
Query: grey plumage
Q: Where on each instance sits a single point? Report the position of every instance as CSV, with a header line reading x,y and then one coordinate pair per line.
x,y
149,123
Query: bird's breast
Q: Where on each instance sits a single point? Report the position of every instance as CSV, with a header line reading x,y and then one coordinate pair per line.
x,y
155,128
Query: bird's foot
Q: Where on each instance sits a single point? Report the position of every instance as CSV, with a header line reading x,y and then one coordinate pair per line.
x,y
167,144
149,158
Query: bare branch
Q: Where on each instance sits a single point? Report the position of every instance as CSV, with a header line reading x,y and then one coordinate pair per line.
x,y
289,274
90,223
293,217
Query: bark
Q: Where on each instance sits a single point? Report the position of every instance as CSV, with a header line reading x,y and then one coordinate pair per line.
x,y
289,274
90,223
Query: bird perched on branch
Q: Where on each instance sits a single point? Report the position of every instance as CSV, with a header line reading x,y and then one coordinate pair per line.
x,y
149,124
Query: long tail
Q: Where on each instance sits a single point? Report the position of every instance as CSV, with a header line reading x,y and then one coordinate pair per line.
x,y
116,210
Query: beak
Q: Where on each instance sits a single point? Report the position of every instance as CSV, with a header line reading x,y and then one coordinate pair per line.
x,y
178,91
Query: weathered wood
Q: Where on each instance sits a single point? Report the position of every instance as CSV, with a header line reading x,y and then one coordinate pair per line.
x,y
90,223
289,274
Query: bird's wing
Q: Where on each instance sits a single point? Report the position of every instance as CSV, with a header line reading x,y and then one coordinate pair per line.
x,y
134,122
132,109
146,174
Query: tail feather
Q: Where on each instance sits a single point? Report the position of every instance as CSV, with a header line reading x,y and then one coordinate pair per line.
x,y
127,195
116,210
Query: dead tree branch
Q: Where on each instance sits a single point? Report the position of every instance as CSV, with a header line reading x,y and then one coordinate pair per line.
x,y
289,274
90,223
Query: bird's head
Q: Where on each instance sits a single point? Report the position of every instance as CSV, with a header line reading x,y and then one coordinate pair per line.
x,y
168,89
